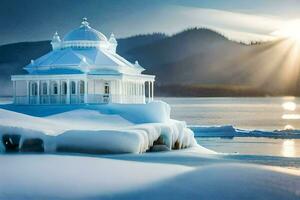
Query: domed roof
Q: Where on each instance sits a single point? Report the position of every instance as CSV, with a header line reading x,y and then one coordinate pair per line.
x,y
85,32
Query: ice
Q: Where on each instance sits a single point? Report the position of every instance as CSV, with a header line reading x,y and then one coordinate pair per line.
x,y
230,131
112,128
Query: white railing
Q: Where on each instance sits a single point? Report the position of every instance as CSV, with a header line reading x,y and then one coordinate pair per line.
x,y
78,99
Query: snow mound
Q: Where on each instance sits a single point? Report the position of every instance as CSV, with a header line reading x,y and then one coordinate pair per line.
x,y
112,128
84,177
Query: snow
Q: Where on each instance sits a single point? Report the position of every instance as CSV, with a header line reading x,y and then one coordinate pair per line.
x,y
182,174
76,177
106,131
112,128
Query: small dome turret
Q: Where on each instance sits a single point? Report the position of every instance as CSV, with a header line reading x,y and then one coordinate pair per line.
x,y
112,39
55,41
113,43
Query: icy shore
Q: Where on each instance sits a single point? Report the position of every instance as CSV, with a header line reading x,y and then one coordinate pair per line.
x,y
230,131
112,128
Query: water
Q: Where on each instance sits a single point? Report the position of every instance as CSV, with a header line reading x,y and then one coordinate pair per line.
x,y
253,146
272,113
276,113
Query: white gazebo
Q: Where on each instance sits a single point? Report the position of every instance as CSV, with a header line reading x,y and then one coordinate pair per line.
x,y
83,67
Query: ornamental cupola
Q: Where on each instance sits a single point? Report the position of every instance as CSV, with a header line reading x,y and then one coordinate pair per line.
x,y
85,37
55,41
113,43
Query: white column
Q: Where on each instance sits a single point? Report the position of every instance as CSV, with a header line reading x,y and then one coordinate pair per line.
x,y
48,91
138,92
59,91
76,87
85,91
27,92
136,85
76,92
68,92
143,92
38,92
126,91
149,85
152,92
133,91
14,91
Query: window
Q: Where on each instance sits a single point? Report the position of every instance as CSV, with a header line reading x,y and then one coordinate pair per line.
x,y
55,88
106,88
44,89
73,87
34,89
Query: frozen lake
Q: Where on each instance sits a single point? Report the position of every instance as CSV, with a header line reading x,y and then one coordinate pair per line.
x,y
253,146
271,113
245,113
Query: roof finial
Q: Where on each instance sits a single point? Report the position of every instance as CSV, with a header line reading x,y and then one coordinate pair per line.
x,y
112,39
56,37
84,22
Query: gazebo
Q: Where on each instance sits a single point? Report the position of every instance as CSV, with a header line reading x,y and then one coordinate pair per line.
x,y
83,68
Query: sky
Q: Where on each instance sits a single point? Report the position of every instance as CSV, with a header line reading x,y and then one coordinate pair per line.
x,y
241,20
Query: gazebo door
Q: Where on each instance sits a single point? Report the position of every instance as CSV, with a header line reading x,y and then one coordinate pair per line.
x,y
106,96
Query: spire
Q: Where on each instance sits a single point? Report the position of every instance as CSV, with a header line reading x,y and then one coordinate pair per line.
x,y
136,63
56,37
112,43
138,66
85,22
55,41
112,39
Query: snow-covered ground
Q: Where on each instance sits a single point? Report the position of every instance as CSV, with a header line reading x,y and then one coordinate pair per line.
x,y
192,172
181,174
112,128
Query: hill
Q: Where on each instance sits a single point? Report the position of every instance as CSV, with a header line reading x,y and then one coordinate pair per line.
x,y
191,59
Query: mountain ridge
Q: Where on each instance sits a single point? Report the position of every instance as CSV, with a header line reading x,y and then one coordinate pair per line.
x,y
191,57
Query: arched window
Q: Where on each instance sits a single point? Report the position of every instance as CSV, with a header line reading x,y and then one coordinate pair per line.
x,y
106,88
81,87
55,88
44,89
73,87
64,88
34,90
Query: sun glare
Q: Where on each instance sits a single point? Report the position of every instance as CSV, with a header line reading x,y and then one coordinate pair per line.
x,y
289,105
290,30
288,148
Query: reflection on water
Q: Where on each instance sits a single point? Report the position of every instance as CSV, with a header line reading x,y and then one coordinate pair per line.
x,y
270,113
289,105
253,146
290,116
288,148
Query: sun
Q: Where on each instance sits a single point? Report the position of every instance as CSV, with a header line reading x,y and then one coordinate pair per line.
x,y
290,30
